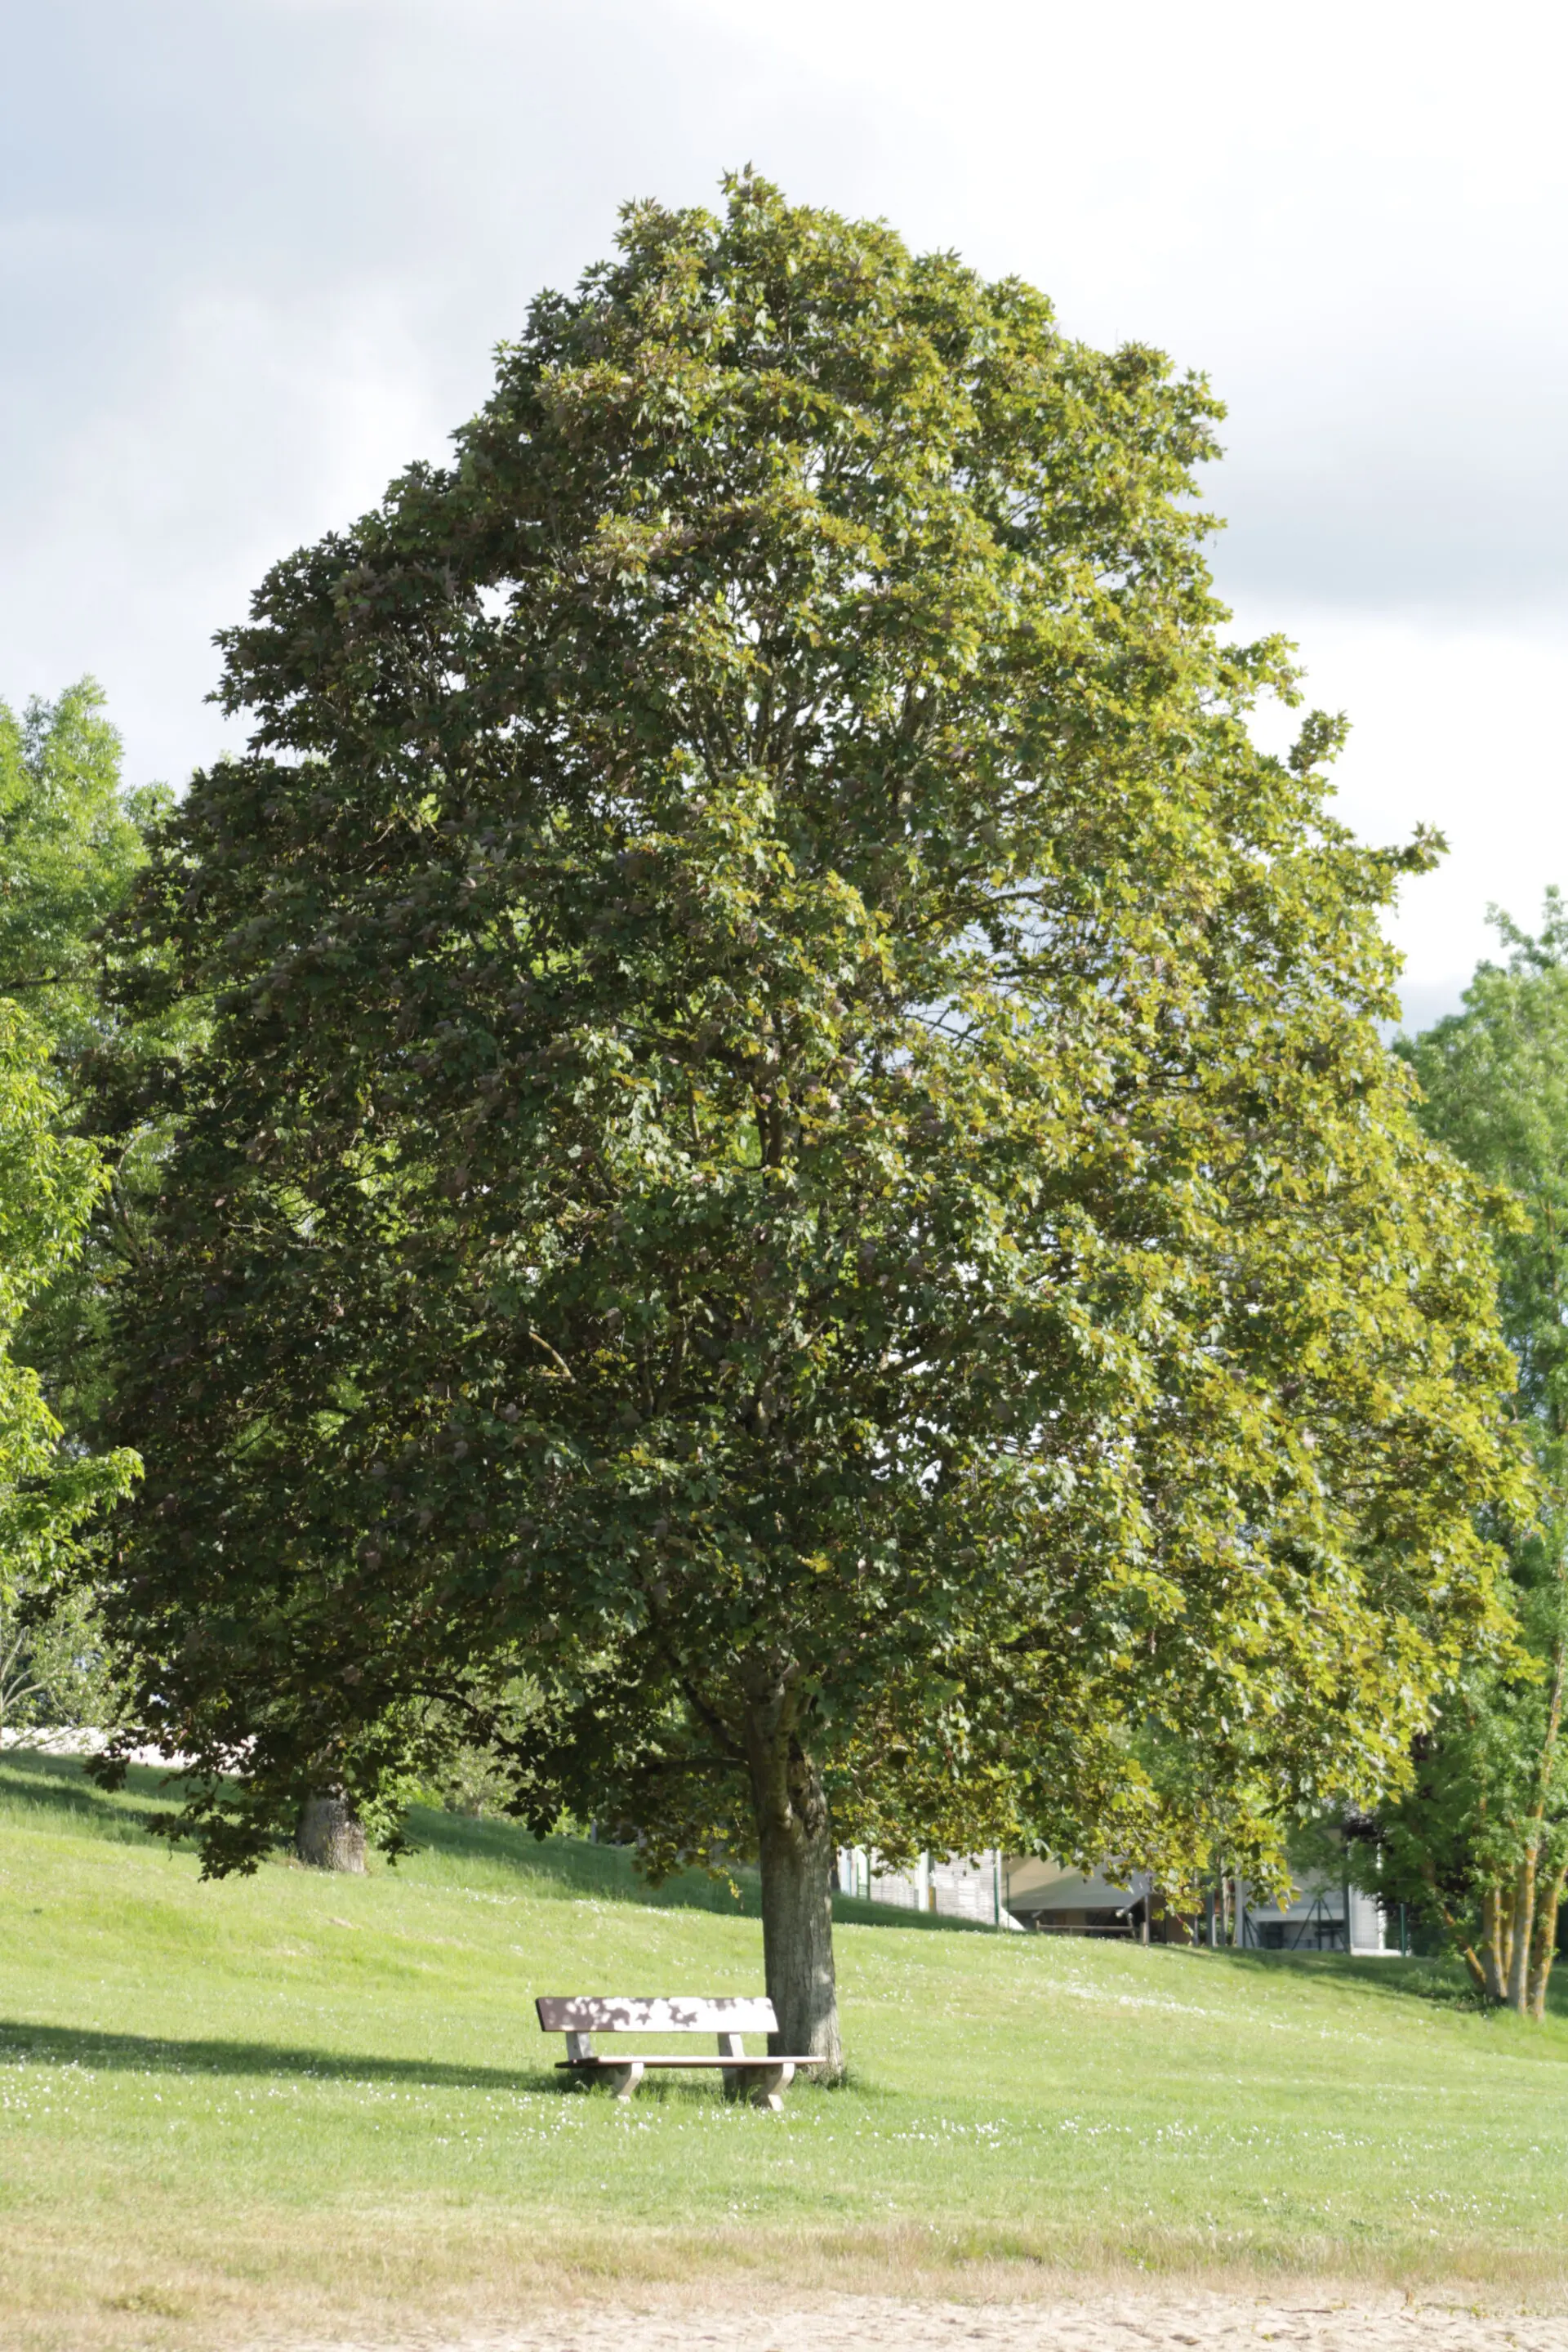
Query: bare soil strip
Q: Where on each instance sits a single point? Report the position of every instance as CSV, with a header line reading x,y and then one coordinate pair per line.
x,y
1121,2321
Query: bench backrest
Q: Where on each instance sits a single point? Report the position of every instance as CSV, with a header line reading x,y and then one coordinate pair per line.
x,y
612,2013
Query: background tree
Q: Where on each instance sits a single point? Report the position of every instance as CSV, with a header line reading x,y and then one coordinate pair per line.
x,y
50,1658
1481,1842
794,1168
72,838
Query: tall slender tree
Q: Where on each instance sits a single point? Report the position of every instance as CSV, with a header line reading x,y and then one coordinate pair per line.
x,y
1479,1842
794,1168
50,1493
72,838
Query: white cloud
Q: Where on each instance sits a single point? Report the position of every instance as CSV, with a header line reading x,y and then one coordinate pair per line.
x,y
253,258
148,523
1455,726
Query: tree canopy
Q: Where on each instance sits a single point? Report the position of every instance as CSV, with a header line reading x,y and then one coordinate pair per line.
x,y
794,1209
50,1493
73,836
1479,1842
71,840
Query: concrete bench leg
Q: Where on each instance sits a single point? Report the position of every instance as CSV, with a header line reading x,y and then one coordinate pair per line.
x,y
772,2084
624,2080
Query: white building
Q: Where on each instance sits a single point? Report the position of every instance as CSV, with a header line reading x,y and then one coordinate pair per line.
x,y
1014,1891
954,1886
1324,1914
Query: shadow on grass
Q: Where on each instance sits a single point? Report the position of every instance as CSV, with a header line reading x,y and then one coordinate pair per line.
x,y
1424,1978
55,1793
577,1867
141,2053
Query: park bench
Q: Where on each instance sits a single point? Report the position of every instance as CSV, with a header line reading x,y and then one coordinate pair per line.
x,y
728,2017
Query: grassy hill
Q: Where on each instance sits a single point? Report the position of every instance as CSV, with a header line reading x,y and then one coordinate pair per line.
x,y
232,2109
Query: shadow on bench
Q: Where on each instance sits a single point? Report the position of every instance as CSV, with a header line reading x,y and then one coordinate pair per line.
x,y
580,2018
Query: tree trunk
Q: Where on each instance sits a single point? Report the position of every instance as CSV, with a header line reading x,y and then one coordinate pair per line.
x,y
1493,1952
1522,1933
1472,1962
797,1853
1543,1946
1532,1967
1518,1935
1467,1952
330,1835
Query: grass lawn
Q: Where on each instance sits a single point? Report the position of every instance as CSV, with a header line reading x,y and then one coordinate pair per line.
x,y
271,2103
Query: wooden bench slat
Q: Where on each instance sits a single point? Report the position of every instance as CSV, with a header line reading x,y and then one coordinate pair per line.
x,y
634,2013
587,2065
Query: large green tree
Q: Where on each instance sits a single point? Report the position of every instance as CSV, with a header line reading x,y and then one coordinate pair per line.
x,y
794,1209
1479,1842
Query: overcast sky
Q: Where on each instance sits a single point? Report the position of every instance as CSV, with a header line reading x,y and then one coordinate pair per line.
x,y
255,255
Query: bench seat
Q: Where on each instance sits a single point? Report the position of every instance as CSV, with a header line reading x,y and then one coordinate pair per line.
x,y
645,2060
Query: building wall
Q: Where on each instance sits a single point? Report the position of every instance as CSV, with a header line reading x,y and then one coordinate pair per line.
x,y
1314,1920
954,1886
1013,1891
1039,1886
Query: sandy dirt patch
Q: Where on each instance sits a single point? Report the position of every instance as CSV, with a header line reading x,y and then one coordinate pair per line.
x,y
1121,2321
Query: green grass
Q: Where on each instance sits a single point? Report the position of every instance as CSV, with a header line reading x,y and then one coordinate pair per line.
x,y
227,2108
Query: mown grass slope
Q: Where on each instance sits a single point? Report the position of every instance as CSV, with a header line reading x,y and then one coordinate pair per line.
x,y
231,2107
